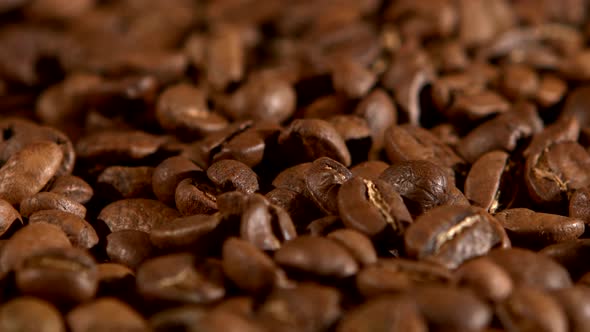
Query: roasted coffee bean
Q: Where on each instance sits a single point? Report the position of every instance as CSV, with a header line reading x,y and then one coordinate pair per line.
x,y
537,229
129,247
137,214
182,318
195,196
185,232
323,180
309,139
29,170
225,56
30,240
293,178
119,182
578,205
60,275
571,255
80,233
105,314
229,175
29,314
224,320
378,109
73,187
51,201
575,106
300,207
247,147
372,206
318,256
182,109
422,184
247,267
177,278
118,147
387,313
476,105
395,275
357,244
575,303
323,226
168,175
519,82
530,309
450,235
488,280
8,215
356,134
551,90
351,78
530,269
483,183
369,170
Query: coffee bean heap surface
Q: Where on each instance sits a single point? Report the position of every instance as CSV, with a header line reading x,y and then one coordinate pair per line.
x,y
294,165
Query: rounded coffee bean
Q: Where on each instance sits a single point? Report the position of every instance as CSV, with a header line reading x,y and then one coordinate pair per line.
x,y
59,275
51,201
29,314
136,213
183,318
129,247
351,78
482,185
30,240
229,175
293,178
29,170
105,314
372,206
485,278
379,110
8,215
318,256
578,205
571,255
450,235
575,302
185,232
531,269
117,147
73,187
78,230
530,309
168,175
195,196
422,184
119,182
359,245
323,180
369,170
265,225
246,147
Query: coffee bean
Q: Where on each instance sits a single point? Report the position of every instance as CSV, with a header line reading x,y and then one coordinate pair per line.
x,y
570,255
450,235
318,256
247,267
168,175
51,201
528,268
530,308
378,109
551,90
179,318
73,187
80,233
293,178
195,196
59,275
221,320
29,314
136,214
30,240
177,278
247,147
323,180
483,183
265,225
356,134
8,215
578,207
119,182
300,207
422,184
537,229
105,314
372,206
350,78
488,280
117,147
575,106
566,129
129,247
225,56
575,304
519,81
369,170
230,175
357,244
185,232
385,313
323,226
29,170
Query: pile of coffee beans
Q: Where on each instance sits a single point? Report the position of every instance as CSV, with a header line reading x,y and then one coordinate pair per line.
x,y
296,165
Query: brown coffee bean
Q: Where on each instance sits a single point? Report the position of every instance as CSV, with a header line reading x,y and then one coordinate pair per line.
x,y
119,182
369,170
483,183
105,314
519,81
565,129
318,256
182,110
551,90
528,268
575,303
323,180
578,205
29,170
117,147
137,214
530,309
264,225
450,235
307,307
351,78
452,309
247,266
195,196
476,105
184,317
247,147
488,280
51,201
571,255
356,134
378,109
300,207
29,241
225,59
372,206
29,314
109,273
323,226
358,245
537,229
222,320
177,278
229,175
168,175
422,184
59,275
293,178
129,247
309,139
385,313
80,233
73,187
185,232
8,215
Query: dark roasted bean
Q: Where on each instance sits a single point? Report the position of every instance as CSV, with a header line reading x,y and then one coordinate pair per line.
x,y
78,230
532,309
118,182
51,201
323,180
485,278
229,175
137,214
72,187
129,247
